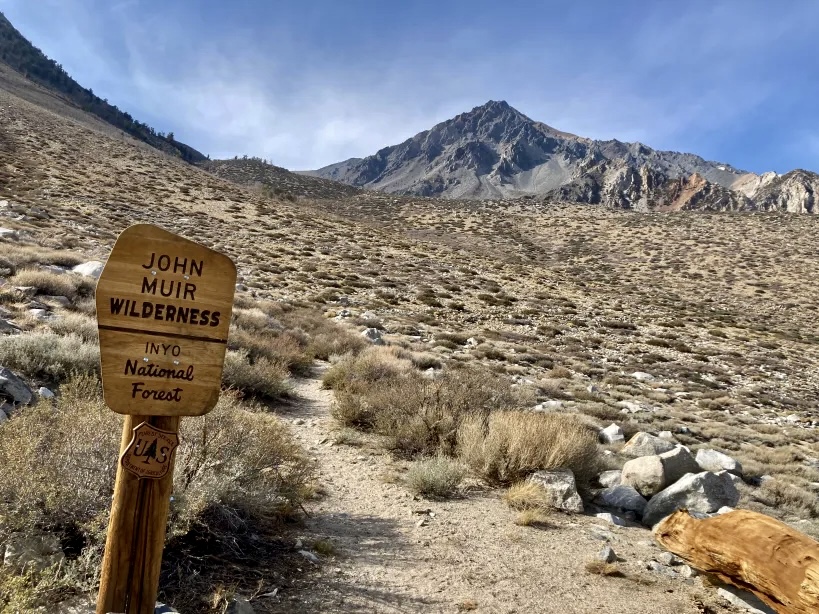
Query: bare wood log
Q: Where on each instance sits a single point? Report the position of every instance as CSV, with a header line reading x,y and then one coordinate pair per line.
x,y
752,551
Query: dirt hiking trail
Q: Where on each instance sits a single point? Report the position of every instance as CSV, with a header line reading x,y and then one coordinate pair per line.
x,y
398,553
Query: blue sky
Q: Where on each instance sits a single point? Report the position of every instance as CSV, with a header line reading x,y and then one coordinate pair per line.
x,y
307,83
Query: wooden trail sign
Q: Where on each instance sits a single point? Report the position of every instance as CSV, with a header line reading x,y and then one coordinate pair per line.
x,y
163,311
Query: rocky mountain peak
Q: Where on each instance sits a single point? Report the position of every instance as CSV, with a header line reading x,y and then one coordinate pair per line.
x,y
495,151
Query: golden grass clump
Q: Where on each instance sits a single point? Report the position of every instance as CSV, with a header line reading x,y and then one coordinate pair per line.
x,y
526,495
509,445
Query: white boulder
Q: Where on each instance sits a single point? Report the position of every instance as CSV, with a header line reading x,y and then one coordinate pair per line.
x,y
713,460
14,388
560,488
373,335
32,552
704,493
645,444
645,474
610,478
92,268
612,434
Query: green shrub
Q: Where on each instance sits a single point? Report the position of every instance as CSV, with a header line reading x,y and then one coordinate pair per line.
x,y
435,477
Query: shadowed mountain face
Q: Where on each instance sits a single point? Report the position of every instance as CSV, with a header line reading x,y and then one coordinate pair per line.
x,y
494,151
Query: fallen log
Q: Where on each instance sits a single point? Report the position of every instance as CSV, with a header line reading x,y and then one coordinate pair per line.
x,y
752,551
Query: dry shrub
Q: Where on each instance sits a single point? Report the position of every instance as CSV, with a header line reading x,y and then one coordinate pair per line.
x,y
49,356
419,415
287,349
359,373
352,411
246,461
79,324
53,284
261,378
788,498
338,342
435,477
59,465
253,319
325,338
235,469
509,445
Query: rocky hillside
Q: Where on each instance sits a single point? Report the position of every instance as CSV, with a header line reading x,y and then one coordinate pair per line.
x,y
277,181
18,53
797,191
494,151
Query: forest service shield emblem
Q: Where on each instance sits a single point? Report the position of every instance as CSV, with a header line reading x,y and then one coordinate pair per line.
x,y
150,452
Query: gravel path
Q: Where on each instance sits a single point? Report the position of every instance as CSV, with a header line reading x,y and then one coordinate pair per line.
x,y
466,555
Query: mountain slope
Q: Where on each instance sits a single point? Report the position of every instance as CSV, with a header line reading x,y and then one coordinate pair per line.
x,y
494,151
278,181
25,58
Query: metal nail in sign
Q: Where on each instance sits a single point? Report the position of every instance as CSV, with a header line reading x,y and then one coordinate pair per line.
x,y
163,312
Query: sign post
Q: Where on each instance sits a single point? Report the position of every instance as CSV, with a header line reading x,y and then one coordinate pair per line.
x,y
163,311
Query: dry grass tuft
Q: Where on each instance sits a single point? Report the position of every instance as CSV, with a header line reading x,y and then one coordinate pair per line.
x,y
509,445
23,255
526,496
53,284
